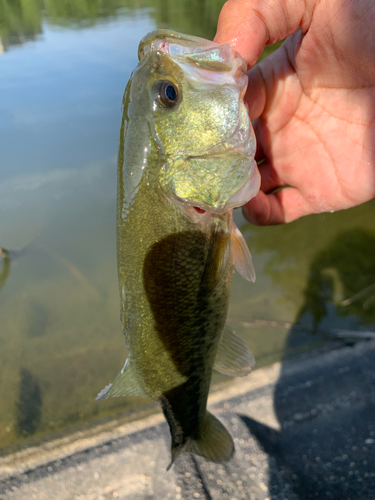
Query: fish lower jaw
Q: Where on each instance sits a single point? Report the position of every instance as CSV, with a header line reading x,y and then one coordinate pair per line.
x,y
197,208
247,191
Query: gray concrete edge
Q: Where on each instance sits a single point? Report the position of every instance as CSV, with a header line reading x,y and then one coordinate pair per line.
x,y
32,457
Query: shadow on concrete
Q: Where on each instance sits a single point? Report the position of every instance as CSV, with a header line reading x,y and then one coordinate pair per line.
x,y
325,447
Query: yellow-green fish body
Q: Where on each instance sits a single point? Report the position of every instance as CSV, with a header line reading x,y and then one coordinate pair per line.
x,y
185,160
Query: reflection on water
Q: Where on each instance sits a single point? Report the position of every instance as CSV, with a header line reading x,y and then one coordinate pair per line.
x,y
315,279
22,21
339,292
60,333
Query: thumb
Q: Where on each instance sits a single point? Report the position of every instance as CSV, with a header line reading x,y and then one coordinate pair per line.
x,y
249,25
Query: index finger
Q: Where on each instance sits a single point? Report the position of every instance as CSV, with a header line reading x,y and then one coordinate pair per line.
x,y
249,25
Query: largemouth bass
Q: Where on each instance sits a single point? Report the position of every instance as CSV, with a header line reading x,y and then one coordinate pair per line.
x,y
186,159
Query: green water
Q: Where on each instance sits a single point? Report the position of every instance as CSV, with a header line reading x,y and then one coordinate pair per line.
x,y
63,69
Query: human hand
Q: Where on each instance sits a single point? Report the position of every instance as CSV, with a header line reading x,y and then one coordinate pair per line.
x,y
313,102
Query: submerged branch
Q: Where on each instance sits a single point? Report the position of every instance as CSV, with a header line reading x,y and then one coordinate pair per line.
x,y
5,255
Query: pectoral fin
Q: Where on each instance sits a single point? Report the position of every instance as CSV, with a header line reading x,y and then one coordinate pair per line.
x,y
217,261
233,357
241,255
125,384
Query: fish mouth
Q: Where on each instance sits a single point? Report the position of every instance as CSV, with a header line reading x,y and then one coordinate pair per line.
x,y
217,181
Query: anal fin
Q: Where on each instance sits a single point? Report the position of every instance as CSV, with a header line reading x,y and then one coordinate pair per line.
x,y
125,384
233,357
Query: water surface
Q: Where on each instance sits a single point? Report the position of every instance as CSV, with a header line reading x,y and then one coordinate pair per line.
x,y
63,70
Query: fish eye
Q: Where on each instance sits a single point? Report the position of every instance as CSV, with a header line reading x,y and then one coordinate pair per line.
x,y
168,94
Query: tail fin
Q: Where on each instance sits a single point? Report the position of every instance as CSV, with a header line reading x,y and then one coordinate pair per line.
x,y
214,442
